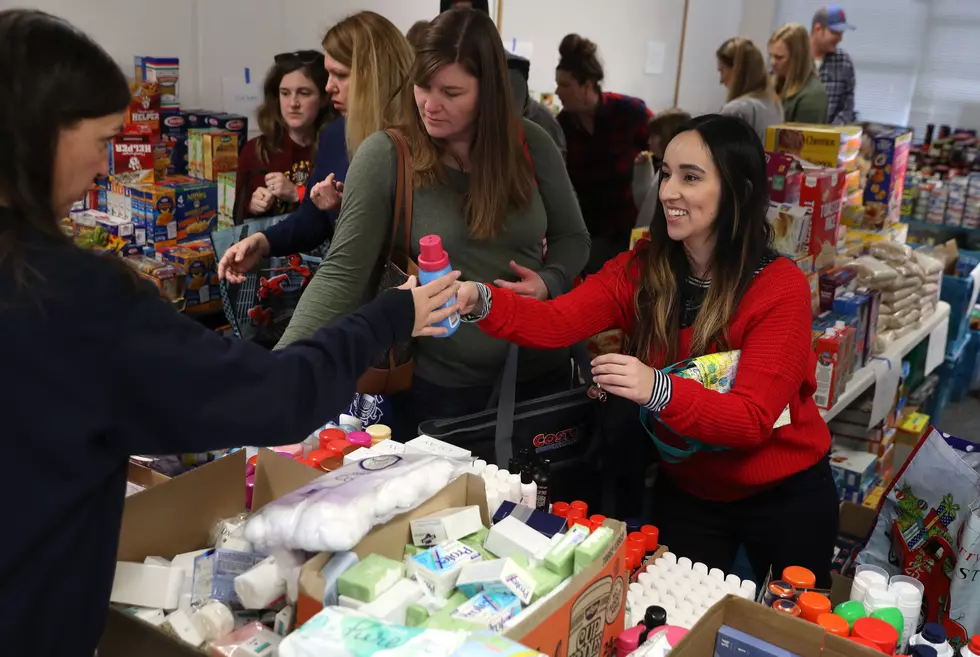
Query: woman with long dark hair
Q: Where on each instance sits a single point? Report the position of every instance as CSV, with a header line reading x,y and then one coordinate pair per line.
x,y
751,95
91,354
274,168
707,281
491,185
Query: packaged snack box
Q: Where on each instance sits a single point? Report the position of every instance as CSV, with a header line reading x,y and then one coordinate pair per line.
x,y
131,159
230,123
201,290
824,145
785,177
226,193
165,73
823,193
791,228
886,178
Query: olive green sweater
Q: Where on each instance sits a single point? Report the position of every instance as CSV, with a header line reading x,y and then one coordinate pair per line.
x,y
809,105
469,357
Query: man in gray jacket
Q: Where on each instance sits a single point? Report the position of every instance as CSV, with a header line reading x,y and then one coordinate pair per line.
x,y
520,69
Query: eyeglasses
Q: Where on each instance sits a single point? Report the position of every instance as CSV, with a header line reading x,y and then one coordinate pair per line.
x,y
301,56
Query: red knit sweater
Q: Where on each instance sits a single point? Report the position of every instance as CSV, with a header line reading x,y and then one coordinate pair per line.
x,y
777,368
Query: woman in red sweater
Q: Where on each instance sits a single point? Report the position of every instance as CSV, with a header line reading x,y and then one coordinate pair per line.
x,y
273,168
707,281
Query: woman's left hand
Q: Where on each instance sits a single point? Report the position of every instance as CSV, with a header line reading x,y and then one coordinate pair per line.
x,y
531,284
624,376
282,187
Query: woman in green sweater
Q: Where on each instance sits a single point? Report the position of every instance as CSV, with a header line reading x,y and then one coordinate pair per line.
x,y
796,80
492,186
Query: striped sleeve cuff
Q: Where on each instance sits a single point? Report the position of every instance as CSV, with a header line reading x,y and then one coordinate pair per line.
x,y
662,390
483,306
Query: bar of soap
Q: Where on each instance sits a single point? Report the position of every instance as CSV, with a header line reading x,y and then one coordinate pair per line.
x,y
591,548
438,567
179,623
412,550
392,605
428,445
476,539
489,610
545,582
369,578
141,585
497,576
154,617
511,536
561,558
416,615
446,525
451,624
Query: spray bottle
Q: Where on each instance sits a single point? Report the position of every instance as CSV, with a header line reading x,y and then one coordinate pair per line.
x,y
433,264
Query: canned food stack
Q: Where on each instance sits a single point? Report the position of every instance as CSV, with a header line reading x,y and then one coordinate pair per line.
x,y
971,213
955,206
936,203
685,590
880,594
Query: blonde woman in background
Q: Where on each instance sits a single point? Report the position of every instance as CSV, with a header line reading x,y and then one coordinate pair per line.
x,y
367,60
795,78
751,96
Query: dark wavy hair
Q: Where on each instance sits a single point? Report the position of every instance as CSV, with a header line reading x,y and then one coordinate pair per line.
x,y
743,238
51,77
271,123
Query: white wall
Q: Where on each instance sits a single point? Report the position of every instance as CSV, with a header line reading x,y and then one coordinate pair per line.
x,y
219,38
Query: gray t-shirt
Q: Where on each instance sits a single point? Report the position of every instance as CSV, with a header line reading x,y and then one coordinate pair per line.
x,y
469,357
757,112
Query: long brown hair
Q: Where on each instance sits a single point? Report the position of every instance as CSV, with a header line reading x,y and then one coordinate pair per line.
x,y
748,66
271,123
379,58
501,177
743,238
51,77
797,41
579,58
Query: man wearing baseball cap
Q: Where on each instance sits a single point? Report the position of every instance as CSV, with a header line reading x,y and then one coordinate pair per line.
x,y
835,65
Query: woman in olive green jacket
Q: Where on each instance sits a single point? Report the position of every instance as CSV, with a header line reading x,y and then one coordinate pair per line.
x,y
795,77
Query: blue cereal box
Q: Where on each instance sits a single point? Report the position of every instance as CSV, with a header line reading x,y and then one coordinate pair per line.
x,y
886,178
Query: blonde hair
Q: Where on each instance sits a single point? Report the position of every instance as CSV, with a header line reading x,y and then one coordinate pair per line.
x,y
797,42
379,58
749,74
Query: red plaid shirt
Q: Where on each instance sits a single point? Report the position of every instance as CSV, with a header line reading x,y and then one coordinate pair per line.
x,y
601,164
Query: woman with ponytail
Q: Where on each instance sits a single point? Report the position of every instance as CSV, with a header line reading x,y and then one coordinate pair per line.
x,y
751,95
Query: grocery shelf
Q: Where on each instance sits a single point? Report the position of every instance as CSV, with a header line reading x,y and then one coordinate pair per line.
x,y
925,225
864,378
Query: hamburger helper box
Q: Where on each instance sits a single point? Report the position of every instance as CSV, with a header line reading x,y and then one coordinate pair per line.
x,y
583,619
823,193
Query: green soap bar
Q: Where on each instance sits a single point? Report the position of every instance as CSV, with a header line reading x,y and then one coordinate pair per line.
x,y
412,550
561,557
454,602
521,560
591,548
545,582
416,615
370,577
476,539
451,624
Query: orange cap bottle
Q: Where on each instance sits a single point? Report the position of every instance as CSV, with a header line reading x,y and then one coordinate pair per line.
x,y
799,577
813,605
834,624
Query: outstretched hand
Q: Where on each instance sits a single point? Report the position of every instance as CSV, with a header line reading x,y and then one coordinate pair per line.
x,y
530,284
429,300
624,376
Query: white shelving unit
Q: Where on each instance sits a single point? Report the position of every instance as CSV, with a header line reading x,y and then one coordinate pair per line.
x,y
864,378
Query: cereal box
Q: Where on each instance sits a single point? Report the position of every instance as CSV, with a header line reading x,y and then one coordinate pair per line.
x,y
639,234
220,150
823,193
886,178
201,289
131,159
852,210
824,145
791,228
785,177
165,73
143,113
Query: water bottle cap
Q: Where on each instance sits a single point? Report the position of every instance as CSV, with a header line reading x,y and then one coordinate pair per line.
x,y
432,256
934,633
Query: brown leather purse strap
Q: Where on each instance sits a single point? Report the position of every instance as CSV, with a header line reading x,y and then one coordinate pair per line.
x,y
404,188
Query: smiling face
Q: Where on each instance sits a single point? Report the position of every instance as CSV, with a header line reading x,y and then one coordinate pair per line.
x,y
724,74
448,103
779,58
338,83
690,189
82,155
299,100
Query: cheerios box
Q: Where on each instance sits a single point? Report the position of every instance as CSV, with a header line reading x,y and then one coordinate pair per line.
x,y
823,145
886,178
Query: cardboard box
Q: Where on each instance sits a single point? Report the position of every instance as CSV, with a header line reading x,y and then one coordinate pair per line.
x,y
822,145
781,630
201,288
582,620
823,193
791,226
861,239
886,178
176,517
785,177
131,160
220,152
165,73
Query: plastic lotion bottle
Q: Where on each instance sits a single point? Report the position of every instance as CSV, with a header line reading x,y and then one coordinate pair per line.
x,y
972,649
529,490
433,264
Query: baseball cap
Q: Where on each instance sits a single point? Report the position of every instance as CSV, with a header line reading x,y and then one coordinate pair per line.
x,y
832,16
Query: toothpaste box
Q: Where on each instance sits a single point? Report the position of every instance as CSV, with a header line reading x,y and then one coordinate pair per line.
x,y
490,610
446,525
438,568
497,576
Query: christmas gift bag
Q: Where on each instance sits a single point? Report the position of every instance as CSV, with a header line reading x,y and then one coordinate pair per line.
x,y
929,528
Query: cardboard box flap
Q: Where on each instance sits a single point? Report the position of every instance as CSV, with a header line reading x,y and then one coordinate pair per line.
x,y
144,476
171,518
277,475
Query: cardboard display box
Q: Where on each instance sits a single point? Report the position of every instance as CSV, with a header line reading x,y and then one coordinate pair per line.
x,y
583,620
145,477
781,630
177,516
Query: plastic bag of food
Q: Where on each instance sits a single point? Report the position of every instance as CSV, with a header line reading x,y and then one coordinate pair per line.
x,y
891,296
930,289
904,303
872,271
930,266
883,340
910,269
891,252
